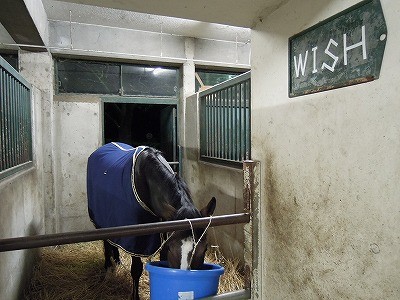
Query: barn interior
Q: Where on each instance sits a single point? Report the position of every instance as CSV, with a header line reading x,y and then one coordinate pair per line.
x,y
325,210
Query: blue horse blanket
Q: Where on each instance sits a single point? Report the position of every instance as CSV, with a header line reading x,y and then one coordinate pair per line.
x,y
111,196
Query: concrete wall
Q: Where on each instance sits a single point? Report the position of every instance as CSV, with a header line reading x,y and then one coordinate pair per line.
x,y
78,125
330,169
22,213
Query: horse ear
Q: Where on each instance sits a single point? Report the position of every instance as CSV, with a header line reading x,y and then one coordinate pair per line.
x,y
209,209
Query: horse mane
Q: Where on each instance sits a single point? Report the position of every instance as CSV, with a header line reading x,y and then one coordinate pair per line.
x,y
180,195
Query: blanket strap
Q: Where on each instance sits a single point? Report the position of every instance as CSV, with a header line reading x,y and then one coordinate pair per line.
x,y
138,150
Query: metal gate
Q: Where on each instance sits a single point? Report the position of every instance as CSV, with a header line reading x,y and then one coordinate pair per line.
x,y
15,121
225,121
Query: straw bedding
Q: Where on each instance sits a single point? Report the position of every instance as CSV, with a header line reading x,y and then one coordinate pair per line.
x,y
77,272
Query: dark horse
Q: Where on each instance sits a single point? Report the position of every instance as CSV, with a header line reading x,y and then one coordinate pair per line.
x,y
128,186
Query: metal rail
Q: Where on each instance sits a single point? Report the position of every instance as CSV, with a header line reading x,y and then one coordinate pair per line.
x,y
29,242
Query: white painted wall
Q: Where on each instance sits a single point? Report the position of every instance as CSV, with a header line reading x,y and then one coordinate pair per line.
x,y
330,169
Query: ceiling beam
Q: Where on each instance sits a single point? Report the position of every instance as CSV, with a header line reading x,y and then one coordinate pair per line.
x,y
241,13
26,22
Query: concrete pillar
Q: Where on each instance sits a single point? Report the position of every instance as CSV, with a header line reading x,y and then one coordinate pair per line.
x,y
188,89
37,69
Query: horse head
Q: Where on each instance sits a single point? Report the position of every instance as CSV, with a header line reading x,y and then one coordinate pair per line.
x,y
186,249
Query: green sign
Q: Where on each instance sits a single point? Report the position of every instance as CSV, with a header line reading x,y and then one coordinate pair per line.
x,y
343,50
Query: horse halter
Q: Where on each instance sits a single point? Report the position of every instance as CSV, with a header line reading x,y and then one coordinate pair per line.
x,y
194,241
194,238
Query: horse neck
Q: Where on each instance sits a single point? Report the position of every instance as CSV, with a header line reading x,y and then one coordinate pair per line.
x,y
160,190
160,195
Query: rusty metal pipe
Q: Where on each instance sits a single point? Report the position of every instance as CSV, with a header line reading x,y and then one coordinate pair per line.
x,y
36,241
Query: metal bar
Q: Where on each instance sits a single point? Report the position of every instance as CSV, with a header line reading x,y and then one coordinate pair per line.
x,y
248,131
243,125
220,140
10,123
15,121
4,116
225,123
30,123
27,125
216,125
174,135
219,97
106,233
243,120
214,131
231,127
203,109
235,295
140,100
209,132
230,82
234,122
203,116
2,139
10,70
19,123
224,160
7,121
209,125
220,127
228,123
24,130
239,144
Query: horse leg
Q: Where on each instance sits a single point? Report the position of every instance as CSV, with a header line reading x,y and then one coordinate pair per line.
x,y
136,272
108,253
115,254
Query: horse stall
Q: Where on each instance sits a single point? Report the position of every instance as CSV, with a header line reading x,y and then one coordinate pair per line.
x,y
62,265
307,173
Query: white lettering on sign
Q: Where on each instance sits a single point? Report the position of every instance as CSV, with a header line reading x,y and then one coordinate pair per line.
x,y
329,53
300,63
314,50
362,43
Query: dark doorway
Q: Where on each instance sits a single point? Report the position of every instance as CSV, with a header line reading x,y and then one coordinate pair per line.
x,y
142,124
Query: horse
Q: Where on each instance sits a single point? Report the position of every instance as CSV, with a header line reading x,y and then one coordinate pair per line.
x,y
128,186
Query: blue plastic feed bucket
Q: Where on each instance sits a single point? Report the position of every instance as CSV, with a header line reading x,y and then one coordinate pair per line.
x,y
167,283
